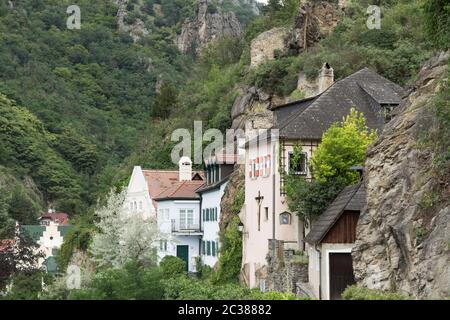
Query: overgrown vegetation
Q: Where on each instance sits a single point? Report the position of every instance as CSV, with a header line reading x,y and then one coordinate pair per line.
x,y
362,293
343,146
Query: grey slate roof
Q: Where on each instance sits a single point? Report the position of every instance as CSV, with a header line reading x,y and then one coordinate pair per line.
x,y
364,90
352,198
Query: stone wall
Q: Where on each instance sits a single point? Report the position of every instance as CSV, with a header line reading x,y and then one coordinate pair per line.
x,y
283,273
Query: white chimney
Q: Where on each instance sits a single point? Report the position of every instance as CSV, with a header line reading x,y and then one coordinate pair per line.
x,y
326,77
185,169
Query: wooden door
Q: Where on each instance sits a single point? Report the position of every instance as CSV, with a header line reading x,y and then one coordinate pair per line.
x,y
341,274
183,254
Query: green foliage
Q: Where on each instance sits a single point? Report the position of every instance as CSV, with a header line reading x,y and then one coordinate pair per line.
x,y
6,222
309,199
440,138
132,282
79,238
191,289
221,53
165,101
230,258
343,145
27,149
172,267
275,77
437,22
26,286
361,293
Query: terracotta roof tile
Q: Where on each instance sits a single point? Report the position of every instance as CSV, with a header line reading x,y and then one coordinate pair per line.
x,y
182,190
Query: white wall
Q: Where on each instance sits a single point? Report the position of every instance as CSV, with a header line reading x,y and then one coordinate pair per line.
x,y
324,274
172,207
212,199
137,200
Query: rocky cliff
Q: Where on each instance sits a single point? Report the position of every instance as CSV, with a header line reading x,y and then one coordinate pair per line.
x,y
314,21
137,29
209,24
403,236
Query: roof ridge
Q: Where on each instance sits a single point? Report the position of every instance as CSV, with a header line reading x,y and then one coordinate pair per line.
x,y
319,96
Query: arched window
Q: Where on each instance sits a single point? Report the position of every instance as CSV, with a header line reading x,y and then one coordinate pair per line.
x,y
285,218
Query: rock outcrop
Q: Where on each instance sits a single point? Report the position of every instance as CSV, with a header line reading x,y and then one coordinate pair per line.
x,y
137,29
403,235
265,46
315,20
207,26
252,107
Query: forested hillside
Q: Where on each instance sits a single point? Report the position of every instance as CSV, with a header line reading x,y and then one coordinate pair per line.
x,y
83,97
104,100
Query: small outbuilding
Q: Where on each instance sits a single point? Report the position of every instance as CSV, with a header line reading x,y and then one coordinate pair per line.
x,y
331,241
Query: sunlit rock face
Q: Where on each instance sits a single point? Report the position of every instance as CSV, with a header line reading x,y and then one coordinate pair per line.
x,y
403,235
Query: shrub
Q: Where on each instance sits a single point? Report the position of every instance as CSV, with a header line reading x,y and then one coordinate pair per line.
x,y
361,293
172,267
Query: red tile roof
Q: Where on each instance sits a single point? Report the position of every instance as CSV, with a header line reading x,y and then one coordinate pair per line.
x,y
60,218
182,190
158,181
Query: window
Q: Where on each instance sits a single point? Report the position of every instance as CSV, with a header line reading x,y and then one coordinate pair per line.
x,y
217,247
204,247
213,248
266,210
285,218
161,214
163,245
208,248
215,214
207,214
186,218
140,205
204,214
167,214
299,166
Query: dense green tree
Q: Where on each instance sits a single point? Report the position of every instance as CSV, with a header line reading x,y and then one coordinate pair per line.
x,y
165,101
343,146
132,282
172,267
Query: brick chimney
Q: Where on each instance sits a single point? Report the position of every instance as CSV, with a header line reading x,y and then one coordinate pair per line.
x,y
185,169
326,77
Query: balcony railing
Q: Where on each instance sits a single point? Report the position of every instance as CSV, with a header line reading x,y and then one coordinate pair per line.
x,y
180,226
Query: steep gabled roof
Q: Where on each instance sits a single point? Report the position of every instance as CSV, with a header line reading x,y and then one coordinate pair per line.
x,y
181,190
363,90
352,198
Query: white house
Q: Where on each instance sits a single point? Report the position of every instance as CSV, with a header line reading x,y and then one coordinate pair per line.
x,y
146,185
179,217
217,170
268,159
49,235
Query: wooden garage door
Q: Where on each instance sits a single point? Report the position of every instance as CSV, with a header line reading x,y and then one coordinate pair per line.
x,y
341,274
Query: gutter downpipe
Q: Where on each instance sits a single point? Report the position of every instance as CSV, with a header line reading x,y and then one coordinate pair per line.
x,y
320,270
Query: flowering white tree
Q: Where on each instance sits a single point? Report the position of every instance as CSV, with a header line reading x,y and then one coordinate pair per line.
x,y
123,237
